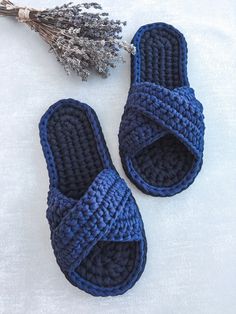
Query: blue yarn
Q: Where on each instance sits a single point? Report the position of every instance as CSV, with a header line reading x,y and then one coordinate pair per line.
x,y
97,232
162,128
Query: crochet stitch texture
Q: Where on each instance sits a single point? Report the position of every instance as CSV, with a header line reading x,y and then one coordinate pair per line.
x,y
97,232
162,128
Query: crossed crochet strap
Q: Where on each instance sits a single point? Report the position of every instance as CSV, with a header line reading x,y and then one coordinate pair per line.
x,y
100,215
153,111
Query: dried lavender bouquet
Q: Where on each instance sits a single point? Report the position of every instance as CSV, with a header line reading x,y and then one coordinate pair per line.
x,y
83,39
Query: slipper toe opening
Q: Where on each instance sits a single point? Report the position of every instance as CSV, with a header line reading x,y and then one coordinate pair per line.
x,y
164,163
110,264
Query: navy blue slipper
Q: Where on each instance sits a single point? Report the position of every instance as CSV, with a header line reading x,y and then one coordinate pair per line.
x,y
162,128
97,232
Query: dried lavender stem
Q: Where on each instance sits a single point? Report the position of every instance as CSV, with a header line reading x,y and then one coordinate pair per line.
x,y
82,41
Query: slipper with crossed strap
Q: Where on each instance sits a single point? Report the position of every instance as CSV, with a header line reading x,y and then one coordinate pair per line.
x,y
162,128
97,232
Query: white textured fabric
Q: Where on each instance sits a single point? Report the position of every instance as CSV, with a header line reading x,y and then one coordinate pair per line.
x,y
191,265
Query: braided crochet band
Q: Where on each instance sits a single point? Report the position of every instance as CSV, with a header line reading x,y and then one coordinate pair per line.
x,y
97,232
162,128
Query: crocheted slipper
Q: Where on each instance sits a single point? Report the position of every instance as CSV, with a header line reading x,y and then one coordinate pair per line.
x,y
162,128
96,229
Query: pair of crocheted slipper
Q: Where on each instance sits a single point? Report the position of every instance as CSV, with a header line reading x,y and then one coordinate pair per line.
x,y
97,232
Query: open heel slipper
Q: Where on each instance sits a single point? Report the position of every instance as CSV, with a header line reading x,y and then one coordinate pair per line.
x,y
162,128
97,232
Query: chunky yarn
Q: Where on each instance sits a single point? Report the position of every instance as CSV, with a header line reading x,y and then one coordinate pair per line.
x,y
162,128
97,232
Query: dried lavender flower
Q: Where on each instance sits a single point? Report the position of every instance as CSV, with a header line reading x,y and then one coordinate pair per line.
x,y
83,41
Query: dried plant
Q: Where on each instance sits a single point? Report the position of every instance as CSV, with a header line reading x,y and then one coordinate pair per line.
x,y
83,38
